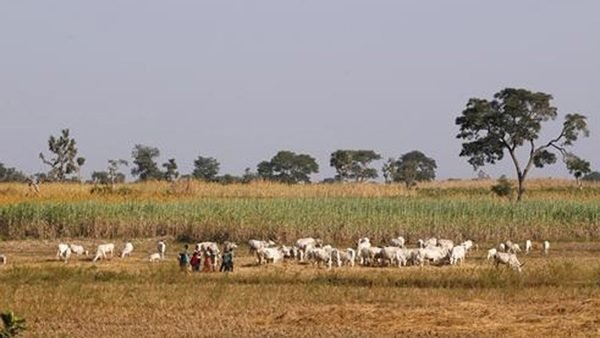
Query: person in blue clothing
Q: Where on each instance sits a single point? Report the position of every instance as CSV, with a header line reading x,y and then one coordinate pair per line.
x,y
184,259
227,261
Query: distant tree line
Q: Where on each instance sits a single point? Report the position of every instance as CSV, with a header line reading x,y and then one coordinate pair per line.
x,y
490,129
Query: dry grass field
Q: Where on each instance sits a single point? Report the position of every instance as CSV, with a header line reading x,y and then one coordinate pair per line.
x,y
556,295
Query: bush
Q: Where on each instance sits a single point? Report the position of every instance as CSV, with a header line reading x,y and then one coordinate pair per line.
x,y
504,188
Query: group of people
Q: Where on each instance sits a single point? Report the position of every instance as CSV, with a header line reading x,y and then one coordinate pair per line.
x,y
204,260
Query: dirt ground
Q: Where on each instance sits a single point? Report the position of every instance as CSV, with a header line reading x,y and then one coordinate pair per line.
x,y
556,295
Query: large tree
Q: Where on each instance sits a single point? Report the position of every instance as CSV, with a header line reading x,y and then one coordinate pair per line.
x,y
145,166
288,167
511,121
205,168
64,160
354,164
410,168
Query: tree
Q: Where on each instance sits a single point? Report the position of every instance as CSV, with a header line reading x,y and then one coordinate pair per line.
x,y
11,174
65,160
511,120
112,175
288,167
411,168
577,167
205,168
171,172
354,164
145,166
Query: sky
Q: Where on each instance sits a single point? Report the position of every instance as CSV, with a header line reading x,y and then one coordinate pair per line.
x,y
241,80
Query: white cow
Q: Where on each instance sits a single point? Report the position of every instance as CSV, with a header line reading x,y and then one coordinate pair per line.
x,y
546,246
508,259
323,255
434,253
63,252
156,257
341,257
468,244
399,242
305,244
446,244
162,248
528,246
362,250
127,250
393,255
514,248
78,250
491,253
457,255
269,255
103,250
255,244
428,242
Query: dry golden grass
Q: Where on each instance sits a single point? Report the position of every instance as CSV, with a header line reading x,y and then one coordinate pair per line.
x,y
189,190
557,295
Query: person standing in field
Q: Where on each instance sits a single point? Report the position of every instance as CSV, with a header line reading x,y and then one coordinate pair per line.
x,y
208,260
195,261
227,261
184,259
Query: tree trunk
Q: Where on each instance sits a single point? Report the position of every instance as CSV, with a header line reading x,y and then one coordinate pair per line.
x,y
521,187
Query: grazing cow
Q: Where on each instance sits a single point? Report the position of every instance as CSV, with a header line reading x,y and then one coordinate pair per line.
x,y
78,250
127,250
103,250
508,259
63,252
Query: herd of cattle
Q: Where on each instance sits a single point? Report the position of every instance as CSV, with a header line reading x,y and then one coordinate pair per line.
x,y
312,250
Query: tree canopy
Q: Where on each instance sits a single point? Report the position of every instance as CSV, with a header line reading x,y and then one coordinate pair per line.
x,y
410,168
512,120
206,168
288,167
145,166
64,160
354,164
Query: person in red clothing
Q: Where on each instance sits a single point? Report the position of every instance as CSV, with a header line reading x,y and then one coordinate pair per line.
x,y
209,259
195,261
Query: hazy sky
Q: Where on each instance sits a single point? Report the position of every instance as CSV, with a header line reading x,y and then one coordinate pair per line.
x,y
240,80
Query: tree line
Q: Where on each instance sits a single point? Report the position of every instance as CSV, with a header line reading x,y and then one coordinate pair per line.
x,y
504,125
